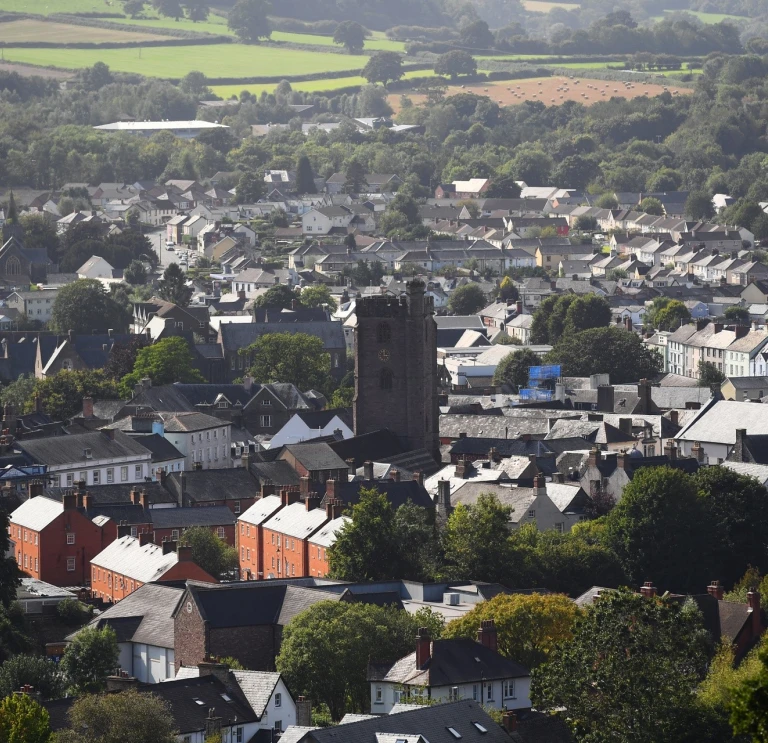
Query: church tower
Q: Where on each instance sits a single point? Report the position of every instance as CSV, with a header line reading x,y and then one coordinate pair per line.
x,y
396,367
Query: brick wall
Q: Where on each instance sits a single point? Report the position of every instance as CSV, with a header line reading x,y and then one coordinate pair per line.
x,y
249,551
255,647
318,560
190,635
279,549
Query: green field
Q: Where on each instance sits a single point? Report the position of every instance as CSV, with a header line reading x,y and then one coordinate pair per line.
x,y
513,57
706,17
307,86
46,7
216,60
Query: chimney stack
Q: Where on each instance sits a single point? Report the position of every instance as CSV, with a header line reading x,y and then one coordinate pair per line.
x,y
648,590
395,475
210,667
311,502
368,470
594,457
697,450
509,721
487,635
146,537
121,681
69,501
184,553
169,545
419,478
87,407
330,489
443,501
303,712
738,449
351,467
753,599
423,647
539,485
716,590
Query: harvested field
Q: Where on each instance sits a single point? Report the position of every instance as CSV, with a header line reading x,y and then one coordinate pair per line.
x,y
29,29
542,6
30,71
550,91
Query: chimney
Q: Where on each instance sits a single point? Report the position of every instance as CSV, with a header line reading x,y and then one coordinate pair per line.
x,y
87,407
621,460
330,489
539,485
146,537
558,477
628,323
304,712
169,545
330,505
493,454
741,330
121,681
625,426
462,468
34,488
241,295
443,502
123,530
719,327
738,450
487,635
144,499
644,393
701,323
674,417
135,496
368,470
212,725
79,499
395,475
753,599
352,470
648,590
509,721
594,457
697,450
304,485
267,488
311,502
423,647
184,553
69,502
715,589
605,398
210,667
418,477
289,496
519,306
88,501
246,460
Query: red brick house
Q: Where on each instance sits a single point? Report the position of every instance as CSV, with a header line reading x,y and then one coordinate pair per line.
x,y
319,543
54,541
129,562
250,536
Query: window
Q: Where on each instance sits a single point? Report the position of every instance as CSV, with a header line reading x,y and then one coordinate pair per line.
x,y
96,477
220,532
70,564
383,333
239,735
138,470
242,553
266,403
489,693
248,526
25,535
397,695
455,733
221,404
109,580
509,689
379,699
265,421
26,561
70,480
248,555
278,699
71,538
385,379
453,695
174,533
474,692
273,537
35,537
278,726
110,475
134,531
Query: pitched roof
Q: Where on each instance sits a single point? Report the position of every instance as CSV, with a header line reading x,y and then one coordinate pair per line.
x,y
316,456
262,510
36,513
296,521
327,535
144,563
235,336
208,485
167,518
63,450
162,449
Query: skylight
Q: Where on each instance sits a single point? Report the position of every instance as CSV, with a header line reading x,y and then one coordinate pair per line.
x,y
199,701
480,727
226,698
455,733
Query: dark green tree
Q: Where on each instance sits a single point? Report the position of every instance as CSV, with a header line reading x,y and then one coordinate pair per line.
x,y
383,67
585,312
699,205
455,63
250,188
83,306
40,673
477,35
305,177
354,177
503,187
61,395
467,299
169,8
196,10
165,362
737,315
210,553
40,234
248,19
173,286
513,369
672,316
90,658
651,205
136,273
96,77
629,672
23,720
710,375
350,35
280,296
295,358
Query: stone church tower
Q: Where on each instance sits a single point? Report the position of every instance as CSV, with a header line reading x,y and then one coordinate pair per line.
x,y
396,367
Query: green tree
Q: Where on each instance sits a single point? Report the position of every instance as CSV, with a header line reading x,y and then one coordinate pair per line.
x,y
40,234
135,274
477,35
40,673
138,717
467,299
672,316
653,206
503,187
305,176
83,306
169,8
585,312
710,375
699,206
280,296
607,201
325,651
737,315
656,530
133,8
250,188
96,77
351,35
14,631
749,710
455,63
295,358
354,177
629,672
383,67
165,362
90,658
476,540
529,627
508,291
317,296
23,720
61,395
248,19
609,350
513,369
18,393
196,83
173,286
196,10
210,553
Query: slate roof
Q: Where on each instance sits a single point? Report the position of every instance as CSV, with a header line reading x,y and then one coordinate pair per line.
x,y
36,513
162,449
191,422
296,521
119,494
210,485
261,510
235,336
373,446
143,563
172,518
315,456
64,450
718,421
277,473
398,493
150,608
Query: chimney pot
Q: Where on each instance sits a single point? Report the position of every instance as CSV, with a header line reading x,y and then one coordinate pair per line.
x,y
368,470
716,590
648,590
423,647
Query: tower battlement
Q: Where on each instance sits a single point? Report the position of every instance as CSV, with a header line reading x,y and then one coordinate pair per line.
x,y
413,303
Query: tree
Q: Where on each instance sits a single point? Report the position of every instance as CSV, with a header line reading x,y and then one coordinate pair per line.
x,y
699,206
38,672
305,177
210,553
196,10
96,77
83,306
295,358
628,673
455,63
383,67
169,8
467,299
650,205
503,187
139,717
567,314
513,369
196,83
173,286
23,720
248,19
508,291
61,395
737,315
133,8
136,273
672,316
122,358
710,375
609,350
350,242
529,627
585,312
317,296
477,35
656,530
476,540
18,393
350,35
280,296
354,177
40,234
250,188
326,649
165,362
586,223
607,201
749,711
90,658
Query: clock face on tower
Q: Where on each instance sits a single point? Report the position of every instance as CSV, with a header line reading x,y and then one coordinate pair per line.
x,y
384,354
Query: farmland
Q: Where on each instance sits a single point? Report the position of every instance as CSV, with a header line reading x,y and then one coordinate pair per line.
x,y
218,60
542,6
29,29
